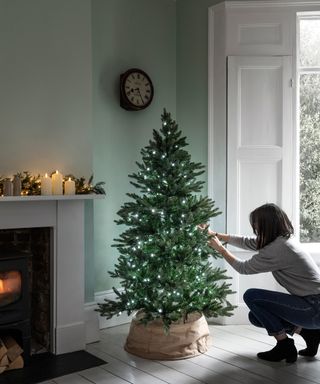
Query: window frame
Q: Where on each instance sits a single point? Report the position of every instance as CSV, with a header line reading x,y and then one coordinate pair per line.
x,y
312,247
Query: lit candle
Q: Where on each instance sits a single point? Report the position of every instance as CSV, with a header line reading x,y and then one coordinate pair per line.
x,y
69,187
57,183
46,185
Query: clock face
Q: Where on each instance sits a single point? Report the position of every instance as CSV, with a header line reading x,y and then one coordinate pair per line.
x,y
136,90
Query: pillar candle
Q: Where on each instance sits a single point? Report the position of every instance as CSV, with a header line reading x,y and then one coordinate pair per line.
x,y
46,185
16,185
7,187
69,187
57,183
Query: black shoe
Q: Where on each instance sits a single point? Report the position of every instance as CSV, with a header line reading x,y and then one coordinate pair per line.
x,y
312,339
284,349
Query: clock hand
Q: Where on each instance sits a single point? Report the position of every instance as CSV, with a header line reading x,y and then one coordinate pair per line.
x,y
137,89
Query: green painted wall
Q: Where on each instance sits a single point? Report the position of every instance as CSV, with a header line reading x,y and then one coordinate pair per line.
x,y
192,90
45,86
125,34
192,74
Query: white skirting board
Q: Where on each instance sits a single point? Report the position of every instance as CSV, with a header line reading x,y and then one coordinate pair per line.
x,y
95,322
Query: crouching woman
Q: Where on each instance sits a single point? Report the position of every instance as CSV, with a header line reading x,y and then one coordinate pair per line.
x,y
281,314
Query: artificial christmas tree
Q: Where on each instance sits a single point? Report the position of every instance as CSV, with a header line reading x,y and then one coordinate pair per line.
x,y
164,265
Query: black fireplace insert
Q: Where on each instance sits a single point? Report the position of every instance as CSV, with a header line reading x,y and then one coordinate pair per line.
x,y
15,297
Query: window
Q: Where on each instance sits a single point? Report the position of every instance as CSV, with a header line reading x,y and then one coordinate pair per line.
x,y
309,121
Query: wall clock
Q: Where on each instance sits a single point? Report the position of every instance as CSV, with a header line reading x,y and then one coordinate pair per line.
x,y
136,90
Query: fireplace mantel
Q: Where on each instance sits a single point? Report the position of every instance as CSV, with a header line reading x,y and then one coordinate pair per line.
x,y
65,216
4,199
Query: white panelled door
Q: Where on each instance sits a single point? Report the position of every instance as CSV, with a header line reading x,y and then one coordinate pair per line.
x,y
260,153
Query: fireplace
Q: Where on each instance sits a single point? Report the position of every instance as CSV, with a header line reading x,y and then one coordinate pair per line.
x,y
14,296
63,216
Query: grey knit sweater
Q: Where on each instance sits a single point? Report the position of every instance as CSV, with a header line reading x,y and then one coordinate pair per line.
x,y
291,266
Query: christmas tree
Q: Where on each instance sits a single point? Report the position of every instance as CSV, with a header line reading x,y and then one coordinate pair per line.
x,y
164,265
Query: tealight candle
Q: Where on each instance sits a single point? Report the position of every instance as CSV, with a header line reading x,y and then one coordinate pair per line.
x,y
69,187
46,185
57,180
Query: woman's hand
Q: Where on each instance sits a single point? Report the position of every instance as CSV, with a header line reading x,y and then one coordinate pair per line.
x,y
221,236
206,226
215,243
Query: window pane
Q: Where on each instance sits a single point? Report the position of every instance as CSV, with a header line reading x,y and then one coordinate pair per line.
x,y
310,158
310,43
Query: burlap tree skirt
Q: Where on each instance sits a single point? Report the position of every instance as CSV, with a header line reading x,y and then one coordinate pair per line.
x,y
184,340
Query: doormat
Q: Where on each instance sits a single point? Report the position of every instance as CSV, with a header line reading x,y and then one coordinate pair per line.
x,y
46,366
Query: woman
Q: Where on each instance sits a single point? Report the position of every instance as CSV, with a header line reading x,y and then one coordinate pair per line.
x,y
279,313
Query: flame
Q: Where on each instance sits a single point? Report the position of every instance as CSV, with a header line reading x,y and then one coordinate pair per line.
x,y
11,282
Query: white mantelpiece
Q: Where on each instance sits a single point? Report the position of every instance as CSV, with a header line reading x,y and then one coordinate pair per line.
x,y
65,215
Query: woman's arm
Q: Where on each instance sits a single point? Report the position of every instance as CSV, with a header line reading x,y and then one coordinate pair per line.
x,y
216,244
268,259
243,242
221,236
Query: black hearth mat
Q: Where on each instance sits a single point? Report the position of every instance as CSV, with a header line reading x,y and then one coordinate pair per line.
x,y
47,366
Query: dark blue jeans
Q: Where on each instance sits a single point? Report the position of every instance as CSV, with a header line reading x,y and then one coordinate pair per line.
x,y
279,312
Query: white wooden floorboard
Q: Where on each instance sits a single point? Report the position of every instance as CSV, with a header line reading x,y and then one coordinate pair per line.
x,y
99,375
241,346
152,367
231,360
205,374
271,372
125,371
71,379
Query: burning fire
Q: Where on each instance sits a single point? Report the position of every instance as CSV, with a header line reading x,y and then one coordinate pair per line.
x,y
10,282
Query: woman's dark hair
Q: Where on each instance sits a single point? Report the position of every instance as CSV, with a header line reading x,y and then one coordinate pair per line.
x,y
269,222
